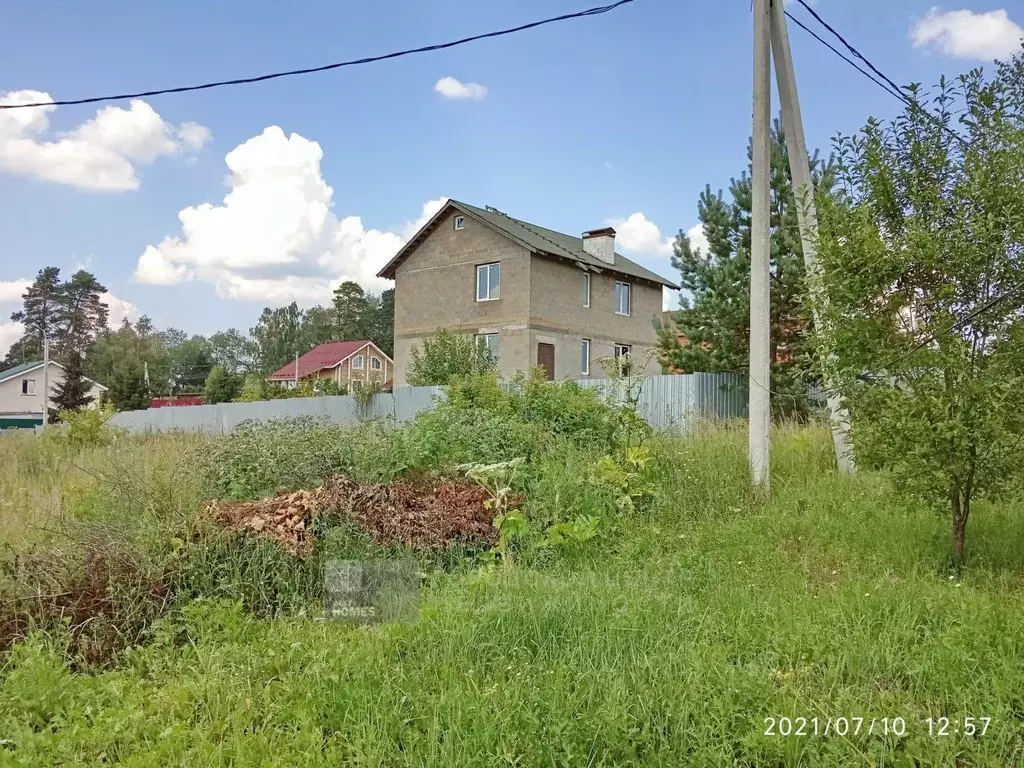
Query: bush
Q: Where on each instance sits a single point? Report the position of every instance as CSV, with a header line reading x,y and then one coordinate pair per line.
x,y
446,356
86,427
260,458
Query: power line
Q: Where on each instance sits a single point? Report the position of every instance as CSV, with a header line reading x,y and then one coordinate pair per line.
x,y
337,65
849,47
845,58
892,88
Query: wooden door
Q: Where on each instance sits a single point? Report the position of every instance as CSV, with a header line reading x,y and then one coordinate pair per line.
x,y
546,360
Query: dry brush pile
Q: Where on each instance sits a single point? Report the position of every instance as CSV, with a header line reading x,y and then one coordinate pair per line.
x,y
418,517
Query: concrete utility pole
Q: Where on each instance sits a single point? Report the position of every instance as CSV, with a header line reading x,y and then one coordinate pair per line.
x,y
46,379
296,369
807,214
760,255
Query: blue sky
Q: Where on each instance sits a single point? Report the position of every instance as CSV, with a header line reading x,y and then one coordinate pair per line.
x,y
621,117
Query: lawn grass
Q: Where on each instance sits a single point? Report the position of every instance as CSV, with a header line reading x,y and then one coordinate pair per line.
x,y
667,642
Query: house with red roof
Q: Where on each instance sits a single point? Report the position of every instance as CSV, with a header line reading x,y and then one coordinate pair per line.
x,y
343,362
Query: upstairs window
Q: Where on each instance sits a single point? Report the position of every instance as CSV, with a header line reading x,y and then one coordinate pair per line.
x,y
28,386
488,282
623,304
460,222
586,289
375,363
357,362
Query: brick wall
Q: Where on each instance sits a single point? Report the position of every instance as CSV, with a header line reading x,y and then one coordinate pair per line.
x,y
559,317
541,302
436,288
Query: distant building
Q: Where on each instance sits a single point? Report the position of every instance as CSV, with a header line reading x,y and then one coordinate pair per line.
x,y
531,295
21,393
343,362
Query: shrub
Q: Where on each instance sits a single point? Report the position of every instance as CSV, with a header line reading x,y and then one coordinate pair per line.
x,y
259,458
86,427
221,386
446,356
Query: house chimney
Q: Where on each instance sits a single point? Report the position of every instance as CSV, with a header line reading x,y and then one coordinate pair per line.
x,y
600,243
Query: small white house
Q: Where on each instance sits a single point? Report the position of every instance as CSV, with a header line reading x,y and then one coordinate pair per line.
x,y
21,393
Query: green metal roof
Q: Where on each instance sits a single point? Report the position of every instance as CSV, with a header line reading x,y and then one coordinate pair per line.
x,y
539,239
10,373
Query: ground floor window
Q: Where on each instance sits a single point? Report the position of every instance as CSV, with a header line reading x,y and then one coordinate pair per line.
x,y
585,358
623,358
490,342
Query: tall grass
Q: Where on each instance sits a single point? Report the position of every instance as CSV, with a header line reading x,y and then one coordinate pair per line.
x,y
667,643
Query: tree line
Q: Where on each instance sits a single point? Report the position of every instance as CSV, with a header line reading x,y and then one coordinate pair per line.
x,y
137,361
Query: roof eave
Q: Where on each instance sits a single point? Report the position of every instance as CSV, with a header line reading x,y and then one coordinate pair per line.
x,y
388,272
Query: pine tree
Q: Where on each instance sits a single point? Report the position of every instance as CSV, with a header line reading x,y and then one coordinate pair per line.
x,y
353,312
81,315
40,314
714,321
72,394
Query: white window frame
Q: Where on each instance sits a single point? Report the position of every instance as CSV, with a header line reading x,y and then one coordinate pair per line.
x,y
460,223
357,363
622,350
375,364
629,299
585,357
586,289
483,339
486,269
28,387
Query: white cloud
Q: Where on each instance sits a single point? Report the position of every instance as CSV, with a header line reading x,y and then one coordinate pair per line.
x,y
153,268
193,135
426,214
968,35
638,234
275,238
11,290
450,88
697,238
99,154
119,310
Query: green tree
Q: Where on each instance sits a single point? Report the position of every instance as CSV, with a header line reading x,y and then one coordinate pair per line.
x,y
921,252
189,361
382,327
232,350
446,356
277,337
40,314
221,386
140,341
353,312
82,315
714,319
317,327
72,393
254,388
128,390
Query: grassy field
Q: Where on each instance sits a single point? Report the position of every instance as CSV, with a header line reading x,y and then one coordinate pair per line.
x,y
666,641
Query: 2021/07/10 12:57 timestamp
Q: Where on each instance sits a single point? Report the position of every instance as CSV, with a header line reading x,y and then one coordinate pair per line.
x,y
938,727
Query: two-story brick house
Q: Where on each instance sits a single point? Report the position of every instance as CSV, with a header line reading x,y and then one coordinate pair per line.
x,y
534,296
